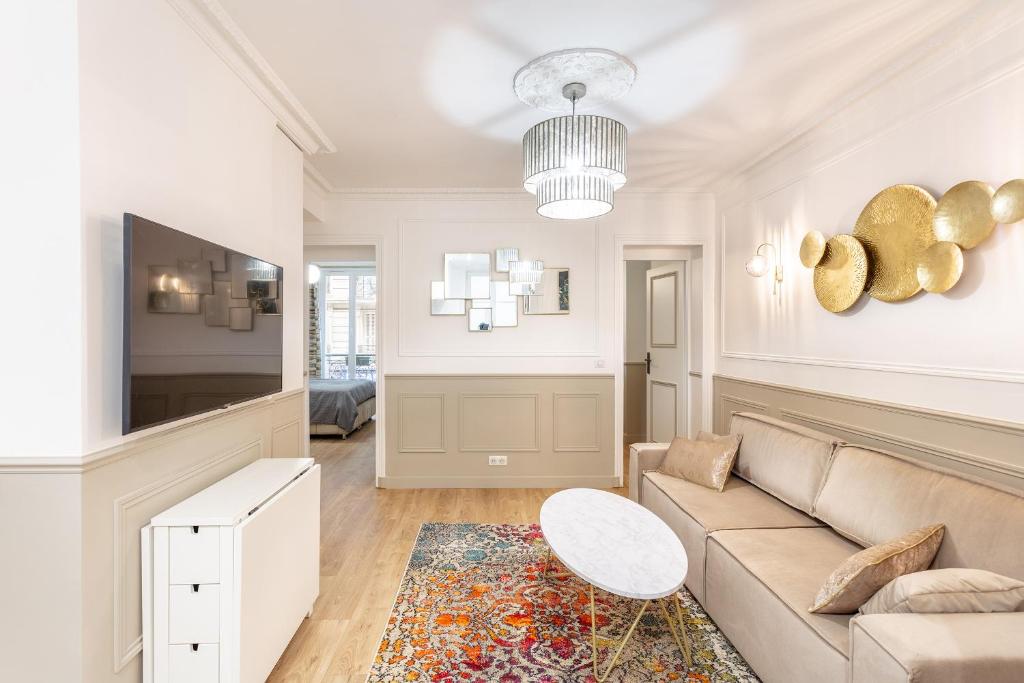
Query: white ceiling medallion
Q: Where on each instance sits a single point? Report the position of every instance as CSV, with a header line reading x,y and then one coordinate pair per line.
x,y
574,163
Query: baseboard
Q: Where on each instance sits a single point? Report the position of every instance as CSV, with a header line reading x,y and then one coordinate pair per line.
x,y
515,482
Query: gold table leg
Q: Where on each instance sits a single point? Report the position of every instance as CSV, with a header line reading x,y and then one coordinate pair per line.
x,y
682,628
622,645
547,563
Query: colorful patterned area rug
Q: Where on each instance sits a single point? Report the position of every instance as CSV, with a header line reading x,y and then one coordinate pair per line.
x,y
474,607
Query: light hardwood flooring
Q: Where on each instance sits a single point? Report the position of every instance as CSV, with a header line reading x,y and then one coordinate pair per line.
x,y
366,535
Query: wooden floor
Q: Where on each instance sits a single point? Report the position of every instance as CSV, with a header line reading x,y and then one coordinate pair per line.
x,y
366,535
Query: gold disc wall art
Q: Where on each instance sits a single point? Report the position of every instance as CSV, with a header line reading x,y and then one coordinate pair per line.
x,y
964,214
895,228
812,249
940,267
1008,202
840,277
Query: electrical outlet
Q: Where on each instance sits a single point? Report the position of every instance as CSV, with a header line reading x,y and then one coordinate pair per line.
x,y
497,460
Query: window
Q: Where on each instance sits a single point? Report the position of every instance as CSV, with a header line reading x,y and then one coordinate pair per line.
x,y
348,315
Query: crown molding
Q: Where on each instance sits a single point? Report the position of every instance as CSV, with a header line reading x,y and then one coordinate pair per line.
x,y
316,178
211,21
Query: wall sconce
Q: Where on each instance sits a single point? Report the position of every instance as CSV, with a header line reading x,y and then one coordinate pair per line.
x,y
759,264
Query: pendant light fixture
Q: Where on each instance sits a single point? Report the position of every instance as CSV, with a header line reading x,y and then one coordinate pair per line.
x,y
574,163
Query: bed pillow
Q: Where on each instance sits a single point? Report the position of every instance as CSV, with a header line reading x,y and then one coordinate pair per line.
x,y
864,573
706,462
947,591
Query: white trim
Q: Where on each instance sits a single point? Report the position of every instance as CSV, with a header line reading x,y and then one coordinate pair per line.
x,y
211,21
316,177
488,193
377,242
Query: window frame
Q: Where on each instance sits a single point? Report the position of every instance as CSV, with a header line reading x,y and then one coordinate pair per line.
x,y
352,271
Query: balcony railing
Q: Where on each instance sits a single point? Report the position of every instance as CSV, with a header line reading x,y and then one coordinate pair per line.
x,y
337,367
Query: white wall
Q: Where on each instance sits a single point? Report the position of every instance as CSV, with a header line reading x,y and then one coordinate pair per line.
x,y
955,116
124,109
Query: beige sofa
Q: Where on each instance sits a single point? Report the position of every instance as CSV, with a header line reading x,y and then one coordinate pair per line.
x,y
801,504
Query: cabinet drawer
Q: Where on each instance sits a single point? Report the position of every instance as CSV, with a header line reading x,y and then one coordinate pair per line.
x,y
194,555
194,615
188,665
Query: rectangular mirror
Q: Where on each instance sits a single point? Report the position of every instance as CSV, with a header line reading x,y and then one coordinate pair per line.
x,y
480,320
524,277
505,305
554,296
441,306
503,256
467,276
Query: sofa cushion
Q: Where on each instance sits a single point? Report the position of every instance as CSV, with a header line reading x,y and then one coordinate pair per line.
x,y
786,460
871,496
758,585
692,511
952,590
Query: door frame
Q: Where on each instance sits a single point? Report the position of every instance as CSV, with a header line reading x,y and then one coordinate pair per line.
x,y
383,305
709,275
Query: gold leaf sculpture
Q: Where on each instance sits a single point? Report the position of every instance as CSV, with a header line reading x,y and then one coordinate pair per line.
x,y
840,277
1008,202
964,214
895,228
812,249
940,267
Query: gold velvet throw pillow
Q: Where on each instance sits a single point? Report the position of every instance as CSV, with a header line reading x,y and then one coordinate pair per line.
x,y
706,461
863,574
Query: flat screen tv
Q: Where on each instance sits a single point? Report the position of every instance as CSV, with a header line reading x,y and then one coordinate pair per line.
x,y
202,325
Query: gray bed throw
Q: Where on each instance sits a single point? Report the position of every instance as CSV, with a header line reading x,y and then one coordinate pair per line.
x,y
334,401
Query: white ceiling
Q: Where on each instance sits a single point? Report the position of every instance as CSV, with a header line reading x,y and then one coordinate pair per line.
x,y
417,93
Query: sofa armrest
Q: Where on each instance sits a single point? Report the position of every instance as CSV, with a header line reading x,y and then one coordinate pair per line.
x,y
643,457
926,648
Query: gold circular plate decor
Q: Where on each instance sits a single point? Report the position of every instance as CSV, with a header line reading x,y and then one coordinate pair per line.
x,y
1008,202
840,277
964,214
812,249
895,228
940,267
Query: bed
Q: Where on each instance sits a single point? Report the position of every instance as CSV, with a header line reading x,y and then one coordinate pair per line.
x,y
338,407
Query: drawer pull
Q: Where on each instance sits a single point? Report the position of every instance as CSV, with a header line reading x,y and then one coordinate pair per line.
x,y
195,647
195,587
195,530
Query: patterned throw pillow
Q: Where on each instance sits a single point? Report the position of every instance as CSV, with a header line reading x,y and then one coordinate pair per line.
x,y
706,461
863,574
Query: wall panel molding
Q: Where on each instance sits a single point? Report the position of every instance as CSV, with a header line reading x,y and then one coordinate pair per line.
x,y
990,449
561,443
126,522
279,439
466,442
406,442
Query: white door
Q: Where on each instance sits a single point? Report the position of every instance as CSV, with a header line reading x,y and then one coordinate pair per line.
x,y
666,353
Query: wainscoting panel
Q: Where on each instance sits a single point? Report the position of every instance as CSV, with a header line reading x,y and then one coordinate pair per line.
x,y
499,423
577,422
124,486
421,427
984,448
554,430
634,406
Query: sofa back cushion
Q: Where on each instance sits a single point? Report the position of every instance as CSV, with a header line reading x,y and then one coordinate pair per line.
x,y
784,459
870,496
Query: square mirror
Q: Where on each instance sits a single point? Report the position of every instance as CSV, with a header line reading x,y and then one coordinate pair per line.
x,y
441,306
554,296
480,320
503,256
505,305
524,277
467,276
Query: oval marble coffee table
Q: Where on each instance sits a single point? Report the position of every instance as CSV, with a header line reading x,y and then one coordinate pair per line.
x,y
621,547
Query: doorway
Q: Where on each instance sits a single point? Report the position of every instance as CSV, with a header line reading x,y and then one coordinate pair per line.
x,y
662,388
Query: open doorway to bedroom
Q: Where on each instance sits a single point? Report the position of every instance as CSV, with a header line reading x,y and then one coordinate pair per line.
x,y
342,349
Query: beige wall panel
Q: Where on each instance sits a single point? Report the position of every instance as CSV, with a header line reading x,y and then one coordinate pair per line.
x,y
135,480
497,423
510,415
634,406
421,423
989,449
577,419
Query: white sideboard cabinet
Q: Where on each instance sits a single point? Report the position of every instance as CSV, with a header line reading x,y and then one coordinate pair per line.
x,y
229,574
